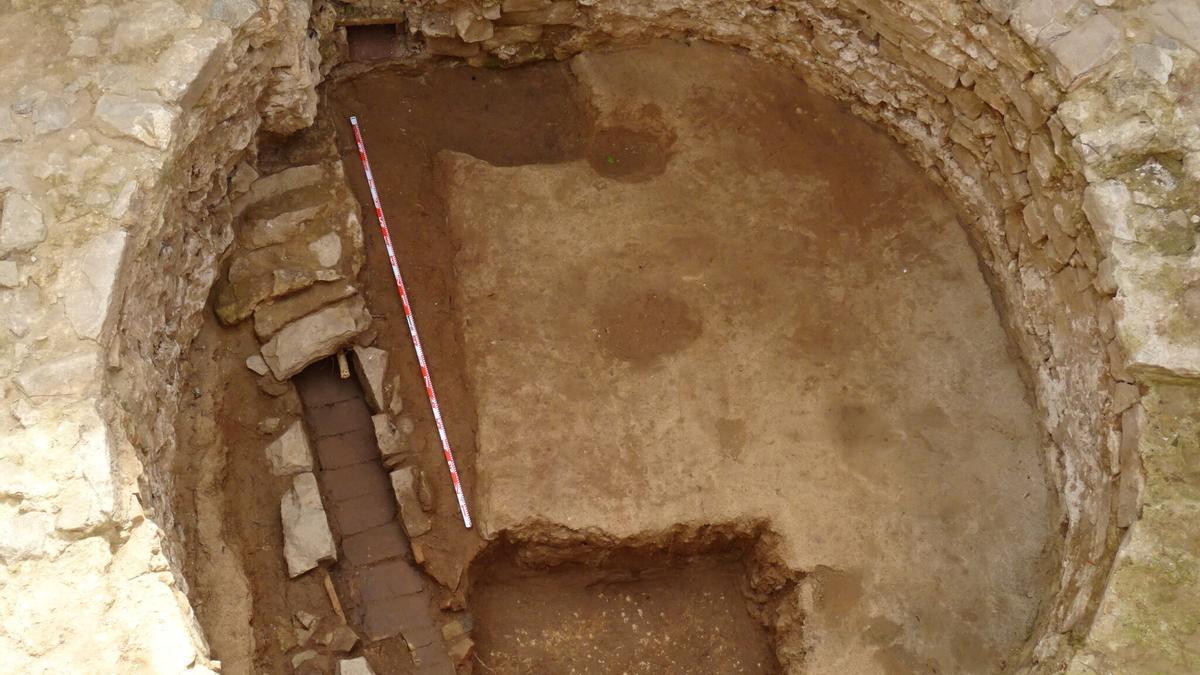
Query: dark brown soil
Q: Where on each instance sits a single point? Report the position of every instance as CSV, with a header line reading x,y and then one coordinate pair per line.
x,y
627,154
687,618
641,327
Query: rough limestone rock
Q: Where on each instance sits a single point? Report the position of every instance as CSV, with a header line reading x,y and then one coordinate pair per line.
x,y
1085,48
278,228
314,337
257,364
64,376
327,249
291,453
370,364
269,272
358,666
10,274
272,315
340,638
90,282
307,539
277,184
405,483
391,444
142,117
22,225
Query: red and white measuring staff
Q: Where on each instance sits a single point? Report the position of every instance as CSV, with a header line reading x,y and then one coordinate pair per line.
x,y
412,326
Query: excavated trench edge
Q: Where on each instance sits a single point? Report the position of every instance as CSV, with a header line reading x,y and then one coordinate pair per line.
x,y
772,589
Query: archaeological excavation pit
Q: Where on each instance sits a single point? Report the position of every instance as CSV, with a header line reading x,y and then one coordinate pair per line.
x,y
661,287
783,337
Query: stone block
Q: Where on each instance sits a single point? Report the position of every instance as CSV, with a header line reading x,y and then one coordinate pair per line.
x,y
1105,205
1152,61
184,70
10,275
146,27
307,539
1039,21
278,228
461,650
340,638
508,35
279,183
1084,49
89,279
22,225
68,375
143,118
370,365
327,249
291,453
1041,156
457,628
558,13
1178,18
524,5
389,439
406,485
450,47
274,314
233,13
257,364
314,337
1129,489
358,666
437,23
471,27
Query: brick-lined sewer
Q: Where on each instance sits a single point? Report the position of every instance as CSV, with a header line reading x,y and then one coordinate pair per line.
x,y
388,595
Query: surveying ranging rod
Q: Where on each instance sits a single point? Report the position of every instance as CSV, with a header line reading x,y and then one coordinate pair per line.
x,y
412,325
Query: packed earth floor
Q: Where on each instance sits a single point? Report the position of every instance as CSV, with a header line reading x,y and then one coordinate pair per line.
x,y
661,290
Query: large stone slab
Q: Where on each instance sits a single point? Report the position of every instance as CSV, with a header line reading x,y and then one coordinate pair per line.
x,y
277,184
272,315
22,225
406,482
277,228
370,364
391,444
307,539
270,272
357,666
314,337
90,280
290,453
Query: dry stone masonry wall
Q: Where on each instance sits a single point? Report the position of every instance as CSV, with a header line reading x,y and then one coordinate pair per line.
x,y
1067,131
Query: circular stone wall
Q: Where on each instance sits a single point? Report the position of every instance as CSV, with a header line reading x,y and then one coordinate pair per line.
x,y
1067,132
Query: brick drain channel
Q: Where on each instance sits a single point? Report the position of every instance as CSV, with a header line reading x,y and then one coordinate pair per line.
x,y
388,595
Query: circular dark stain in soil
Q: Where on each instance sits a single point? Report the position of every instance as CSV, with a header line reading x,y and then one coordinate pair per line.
x,y
641,328
627,154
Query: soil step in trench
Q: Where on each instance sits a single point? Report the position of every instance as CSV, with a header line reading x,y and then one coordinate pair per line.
x,y
389,595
